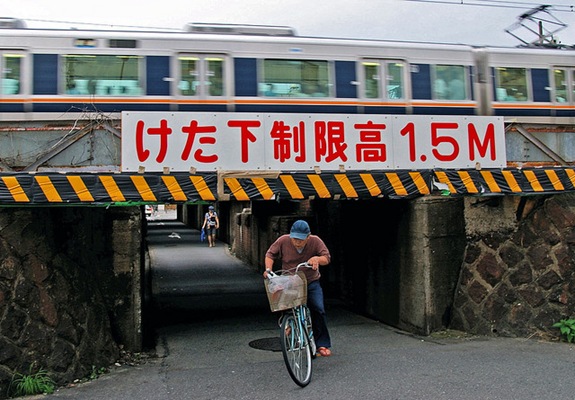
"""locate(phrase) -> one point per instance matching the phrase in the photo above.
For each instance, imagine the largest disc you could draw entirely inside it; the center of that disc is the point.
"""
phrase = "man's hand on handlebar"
(314, 263)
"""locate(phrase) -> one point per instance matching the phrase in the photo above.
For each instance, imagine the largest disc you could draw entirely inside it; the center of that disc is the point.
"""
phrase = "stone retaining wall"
(518, 275)
(65, 286)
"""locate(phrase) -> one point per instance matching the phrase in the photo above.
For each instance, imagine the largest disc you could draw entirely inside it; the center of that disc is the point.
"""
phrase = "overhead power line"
(498, 4)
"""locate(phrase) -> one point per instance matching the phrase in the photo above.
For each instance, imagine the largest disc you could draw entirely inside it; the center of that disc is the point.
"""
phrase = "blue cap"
(210, 207)
(299, 230)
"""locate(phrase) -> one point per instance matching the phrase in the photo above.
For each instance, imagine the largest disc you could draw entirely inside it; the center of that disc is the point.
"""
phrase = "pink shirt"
(284, 250)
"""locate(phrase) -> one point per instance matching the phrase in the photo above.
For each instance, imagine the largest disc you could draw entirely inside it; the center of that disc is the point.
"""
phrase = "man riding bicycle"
(297, 247)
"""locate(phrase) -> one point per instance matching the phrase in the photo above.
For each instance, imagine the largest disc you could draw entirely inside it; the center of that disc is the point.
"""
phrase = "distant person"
(269, 92)
(456, 89)
(440, 88)
(298, 247)
(72, 89)
(211, 223)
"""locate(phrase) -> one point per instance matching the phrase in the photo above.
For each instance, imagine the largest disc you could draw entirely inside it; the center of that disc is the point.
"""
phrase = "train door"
(204, 82)
(564, 85)
(12, 80)
(384, 85)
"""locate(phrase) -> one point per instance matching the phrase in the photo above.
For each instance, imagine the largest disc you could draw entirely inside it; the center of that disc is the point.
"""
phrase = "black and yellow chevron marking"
(393, 184)
(105, 188)
(508, 181)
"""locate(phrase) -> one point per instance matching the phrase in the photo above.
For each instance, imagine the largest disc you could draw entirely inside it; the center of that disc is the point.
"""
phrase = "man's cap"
(211, 207)
(299, 230)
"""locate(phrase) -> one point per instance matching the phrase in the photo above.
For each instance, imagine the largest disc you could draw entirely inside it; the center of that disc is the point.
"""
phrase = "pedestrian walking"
(211, 224)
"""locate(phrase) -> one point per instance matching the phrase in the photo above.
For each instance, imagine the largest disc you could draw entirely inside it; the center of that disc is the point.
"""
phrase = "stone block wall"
(66, 290)
(518, 274)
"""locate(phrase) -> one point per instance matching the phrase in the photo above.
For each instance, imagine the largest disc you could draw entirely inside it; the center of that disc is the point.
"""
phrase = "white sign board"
(181, 141)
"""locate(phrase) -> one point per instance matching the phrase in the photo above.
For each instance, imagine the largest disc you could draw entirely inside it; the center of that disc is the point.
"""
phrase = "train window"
(395, 86)
(201, 75)
(294, 78)
(11, 66)
(561, 88)
(372, 74)
(390, 73)
(102, 75)
(215, 76)
(511, 84)
(449, 82)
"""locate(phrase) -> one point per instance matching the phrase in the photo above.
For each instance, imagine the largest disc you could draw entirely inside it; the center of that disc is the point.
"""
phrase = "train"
(50, 73)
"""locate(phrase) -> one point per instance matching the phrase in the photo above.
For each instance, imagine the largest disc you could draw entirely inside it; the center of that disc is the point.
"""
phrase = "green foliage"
(567, 329)
(96, 372)
(32, 383)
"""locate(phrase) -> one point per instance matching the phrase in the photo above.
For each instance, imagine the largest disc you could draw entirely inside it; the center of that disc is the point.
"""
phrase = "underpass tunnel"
(379, 248)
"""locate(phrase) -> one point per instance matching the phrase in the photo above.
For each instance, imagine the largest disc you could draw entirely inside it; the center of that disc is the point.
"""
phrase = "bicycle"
(296, 335)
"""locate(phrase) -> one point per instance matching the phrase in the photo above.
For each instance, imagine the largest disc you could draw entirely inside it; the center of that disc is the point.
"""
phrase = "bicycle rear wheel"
(296, 350)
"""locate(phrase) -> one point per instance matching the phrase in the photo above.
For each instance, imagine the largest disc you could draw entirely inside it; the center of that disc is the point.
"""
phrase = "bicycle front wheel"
(296, 350)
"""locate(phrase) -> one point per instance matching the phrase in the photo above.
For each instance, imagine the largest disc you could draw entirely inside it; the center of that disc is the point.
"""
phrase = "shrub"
(567, 329)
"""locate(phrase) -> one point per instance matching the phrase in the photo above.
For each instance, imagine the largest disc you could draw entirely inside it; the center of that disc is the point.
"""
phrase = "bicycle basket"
(286, 291)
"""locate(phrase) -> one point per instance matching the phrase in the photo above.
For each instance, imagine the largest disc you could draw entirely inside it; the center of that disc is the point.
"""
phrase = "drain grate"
(269, 344)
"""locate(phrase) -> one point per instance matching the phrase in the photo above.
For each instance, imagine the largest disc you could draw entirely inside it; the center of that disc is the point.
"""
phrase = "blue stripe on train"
(11, 107)
(297, 108)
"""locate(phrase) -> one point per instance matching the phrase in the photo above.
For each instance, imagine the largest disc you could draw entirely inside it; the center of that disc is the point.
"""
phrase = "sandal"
(323, 352)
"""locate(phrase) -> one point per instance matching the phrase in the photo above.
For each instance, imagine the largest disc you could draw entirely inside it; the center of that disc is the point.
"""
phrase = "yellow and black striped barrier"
(105, 188)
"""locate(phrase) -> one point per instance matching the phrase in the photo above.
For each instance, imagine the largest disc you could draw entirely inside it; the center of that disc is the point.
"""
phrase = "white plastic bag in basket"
(277, 283)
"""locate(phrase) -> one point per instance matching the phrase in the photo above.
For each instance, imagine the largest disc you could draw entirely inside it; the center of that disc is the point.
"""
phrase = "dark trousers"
(318, 317)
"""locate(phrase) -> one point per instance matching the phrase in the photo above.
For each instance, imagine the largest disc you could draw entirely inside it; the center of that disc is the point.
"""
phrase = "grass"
(32, 383)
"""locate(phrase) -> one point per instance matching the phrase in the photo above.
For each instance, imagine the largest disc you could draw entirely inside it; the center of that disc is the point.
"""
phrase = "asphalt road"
(217, 339)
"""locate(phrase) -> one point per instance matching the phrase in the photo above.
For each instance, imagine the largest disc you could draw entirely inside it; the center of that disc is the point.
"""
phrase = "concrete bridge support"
(431, 254)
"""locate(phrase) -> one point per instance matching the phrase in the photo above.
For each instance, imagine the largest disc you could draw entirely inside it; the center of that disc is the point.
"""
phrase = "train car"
(233, 68)
(69, 75)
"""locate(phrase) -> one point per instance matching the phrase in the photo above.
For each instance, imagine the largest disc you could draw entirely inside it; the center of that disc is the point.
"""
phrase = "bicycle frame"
(297, 341)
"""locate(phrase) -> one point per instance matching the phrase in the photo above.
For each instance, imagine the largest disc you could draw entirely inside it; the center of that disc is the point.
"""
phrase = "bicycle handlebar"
(303, 264)
(272, 274)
